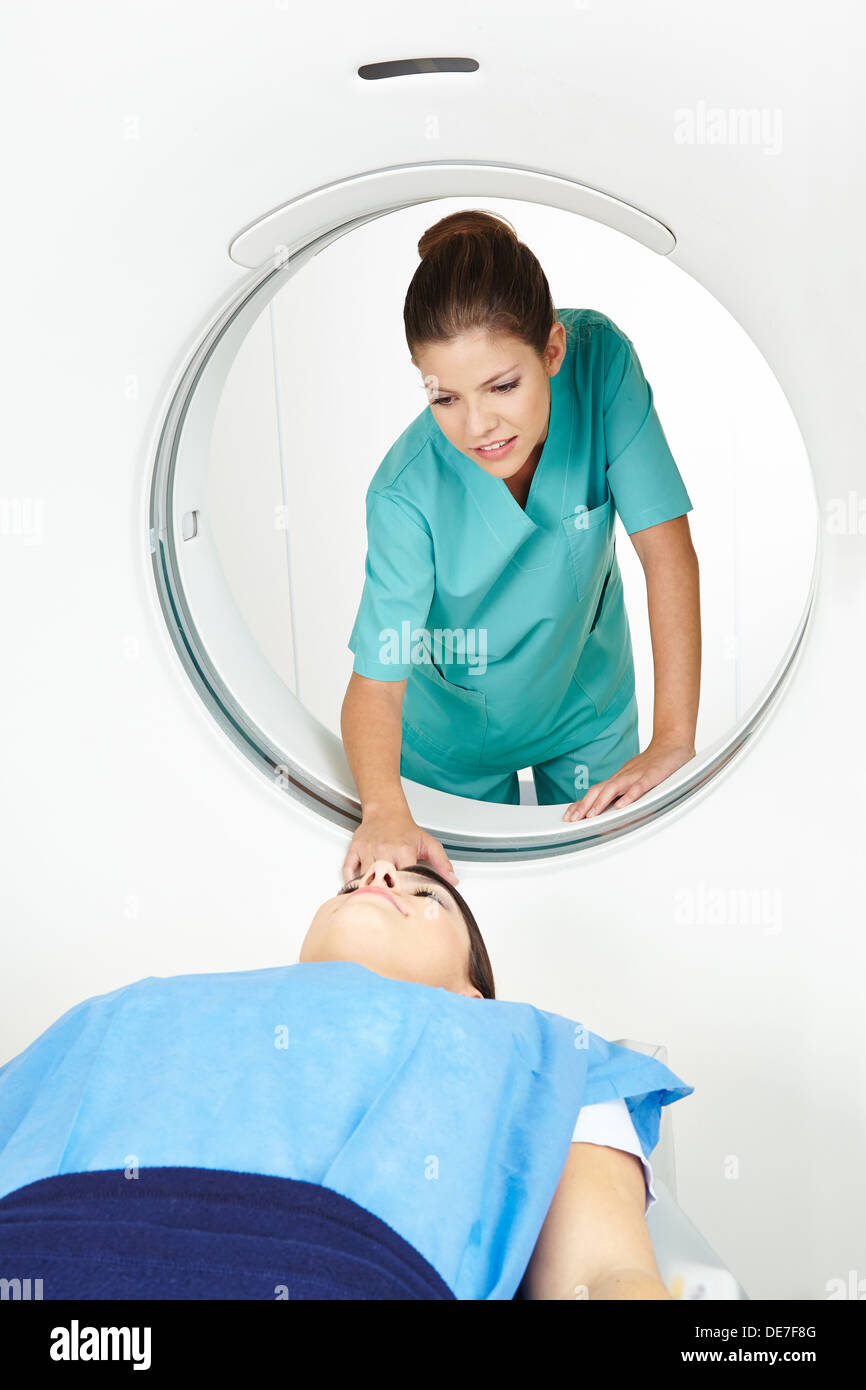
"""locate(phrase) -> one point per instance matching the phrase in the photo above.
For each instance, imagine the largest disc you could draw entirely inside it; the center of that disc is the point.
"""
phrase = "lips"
(505, 448)
(382, 893)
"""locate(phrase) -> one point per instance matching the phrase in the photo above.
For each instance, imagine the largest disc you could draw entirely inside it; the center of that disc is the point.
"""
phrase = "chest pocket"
(449, 719)
(590, 543)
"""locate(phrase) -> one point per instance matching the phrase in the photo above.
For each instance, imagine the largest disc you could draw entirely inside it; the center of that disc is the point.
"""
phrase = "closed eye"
(416, 892)
(427, 893)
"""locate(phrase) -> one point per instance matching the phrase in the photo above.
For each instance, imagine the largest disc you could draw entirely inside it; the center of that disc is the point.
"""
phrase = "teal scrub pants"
(559, 781)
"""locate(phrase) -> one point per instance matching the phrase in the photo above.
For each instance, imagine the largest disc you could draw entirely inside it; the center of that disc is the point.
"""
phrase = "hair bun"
(476, 275)
(470, 223)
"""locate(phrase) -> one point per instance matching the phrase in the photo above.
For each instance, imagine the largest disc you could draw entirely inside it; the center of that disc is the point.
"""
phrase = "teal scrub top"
(508, 622)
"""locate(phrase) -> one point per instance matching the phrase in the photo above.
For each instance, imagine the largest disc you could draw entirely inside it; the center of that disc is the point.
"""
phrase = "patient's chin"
(362, 920)
(354, 936)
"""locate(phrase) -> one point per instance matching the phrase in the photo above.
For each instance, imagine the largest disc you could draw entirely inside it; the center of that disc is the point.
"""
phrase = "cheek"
(452, 428)
(535, 408)
(445, 940)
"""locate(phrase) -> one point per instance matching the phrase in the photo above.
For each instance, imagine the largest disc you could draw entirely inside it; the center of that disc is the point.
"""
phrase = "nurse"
(491, 633)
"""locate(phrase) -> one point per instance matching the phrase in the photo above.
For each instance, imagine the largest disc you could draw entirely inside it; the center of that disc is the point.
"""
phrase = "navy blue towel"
(174, 1233)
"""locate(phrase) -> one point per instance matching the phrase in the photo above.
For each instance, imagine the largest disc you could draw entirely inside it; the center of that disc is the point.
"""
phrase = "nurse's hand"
(393, 835)
(634, 779)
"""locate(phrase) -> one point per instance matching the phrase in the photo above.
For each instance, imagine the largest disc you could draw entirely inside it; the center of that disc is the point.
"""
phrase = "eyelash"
(416, 892)
(504, 387)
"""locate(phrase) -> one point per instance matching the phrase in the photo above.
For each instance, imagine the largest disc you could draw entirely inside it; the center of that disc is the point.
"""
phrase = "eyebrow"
(444, 391)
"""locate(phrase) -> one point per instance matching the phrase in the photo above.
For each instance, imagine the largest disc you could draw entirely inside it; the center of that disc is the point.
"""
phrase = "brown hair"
(476, 274)
(480, 969)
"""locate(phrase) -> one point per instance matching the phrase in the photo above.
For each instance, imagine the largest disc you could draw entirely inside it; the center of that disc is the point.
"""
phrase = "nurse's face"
(397, 923)
(492, 390)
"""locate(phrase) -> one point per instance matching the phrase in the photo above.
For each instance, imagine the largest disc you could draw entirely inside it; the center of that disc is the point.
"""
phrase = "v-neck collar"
(511, 523)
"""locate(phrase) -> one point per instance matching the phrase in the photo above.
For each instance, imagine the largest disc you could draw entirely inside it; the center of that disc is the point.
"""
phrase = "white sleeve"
(608, 1122)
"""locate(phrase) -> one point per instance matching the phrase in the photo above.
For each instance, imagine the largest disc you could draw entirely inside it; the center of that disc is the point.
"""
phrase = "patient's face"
(397, 923)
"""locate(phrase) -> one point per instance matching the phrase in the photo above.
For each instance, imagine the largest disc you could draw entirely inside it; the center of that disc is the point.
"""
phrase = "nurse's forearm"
(372, 728)
(673, 599)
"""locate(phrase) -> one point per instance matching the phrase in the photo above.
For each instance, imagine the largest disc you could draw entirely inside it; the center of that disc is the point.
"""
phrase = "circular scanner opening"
(287, 406)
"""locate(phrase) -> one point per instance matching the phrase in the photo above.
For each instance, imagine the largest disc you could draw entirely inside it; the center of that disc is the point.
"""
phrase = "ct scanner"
(171, 168)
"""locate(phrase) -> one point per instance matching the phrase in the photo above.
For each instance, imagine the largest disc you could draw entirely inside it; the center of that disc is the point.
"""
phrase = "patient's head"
(413, 926)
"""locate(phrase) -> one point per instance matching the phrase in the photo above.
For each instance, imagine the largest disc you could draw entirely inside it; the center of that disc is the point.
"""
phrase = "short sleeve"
(641, 470)
(398, 589)
(608, 1122)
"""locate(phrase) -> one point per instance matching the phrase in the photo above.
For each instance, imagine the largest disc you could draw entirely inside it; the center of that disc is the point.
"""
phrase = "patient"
(367, 1123)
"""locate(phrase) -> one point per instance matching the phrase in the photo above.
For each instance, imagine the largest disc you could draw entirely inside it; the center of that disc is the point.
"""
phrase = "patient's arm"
(595, 1242)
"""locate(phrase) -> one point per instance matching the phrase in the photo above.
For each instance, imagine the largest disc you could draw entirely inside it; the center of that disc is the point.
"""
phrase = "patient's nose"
(382, 874)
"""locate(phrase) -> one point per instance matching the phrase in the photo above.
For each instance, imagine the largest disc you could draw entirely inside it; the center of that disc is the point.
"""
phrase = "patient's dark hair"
(480, 969)
(476, 274)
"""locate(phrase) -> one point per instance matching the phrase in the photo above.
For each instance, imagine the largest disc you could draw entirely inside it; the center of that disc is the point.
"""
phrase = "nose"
(480, 422)
(382, 874)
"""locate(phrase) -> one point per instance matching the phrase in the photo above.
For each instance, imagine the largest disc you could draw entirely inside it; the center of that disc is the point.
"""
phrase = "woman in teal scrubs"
(491, 633)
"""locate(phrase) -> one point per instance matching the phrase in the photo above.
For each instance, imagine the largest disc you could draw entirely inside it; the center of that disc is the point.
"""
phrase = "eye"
(427, 893)
(504, 387)
(416, 892)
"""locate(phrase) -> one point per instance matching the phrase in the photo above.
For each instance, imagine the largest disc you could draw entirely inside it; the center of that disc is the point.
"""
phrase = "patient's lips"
(385, 894)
